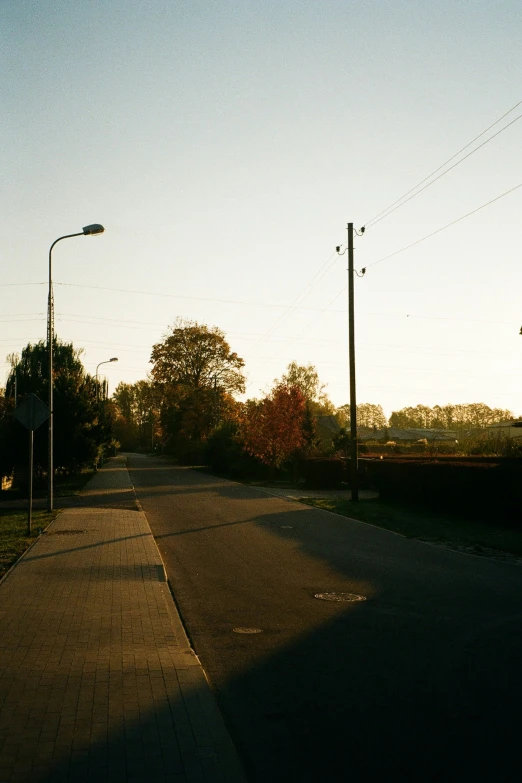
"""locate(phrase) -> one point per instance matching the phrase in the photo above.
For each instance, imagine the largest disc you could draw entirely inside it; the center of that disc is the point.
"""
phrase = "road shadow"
(68, 549)
(419, 682)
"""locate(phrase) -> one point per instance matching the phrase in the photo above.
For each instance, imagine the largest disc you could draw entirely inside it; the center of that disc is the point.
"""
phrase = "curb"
(230, 762)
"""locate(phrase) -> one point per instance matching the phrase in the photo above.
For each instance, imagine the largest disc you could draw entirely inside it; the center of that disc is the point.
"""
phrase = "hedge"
(483, 488)
(331, 473)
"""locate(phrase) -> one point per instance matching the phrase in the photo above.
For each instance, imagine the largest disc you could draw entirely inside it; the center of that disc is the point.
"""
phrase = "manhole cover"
(67, 532)
(247, 630)
(347, 597)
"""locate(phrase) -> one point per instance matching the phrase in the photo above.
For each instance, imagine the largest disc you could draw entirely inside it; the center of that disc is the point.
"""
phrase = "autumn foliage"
(274, 429)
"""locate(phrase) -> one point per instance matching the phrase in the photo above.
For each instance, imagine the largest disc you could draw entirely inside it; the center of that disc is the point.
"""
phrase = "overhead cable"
(295, 304)
(443, 228)
(415, 190)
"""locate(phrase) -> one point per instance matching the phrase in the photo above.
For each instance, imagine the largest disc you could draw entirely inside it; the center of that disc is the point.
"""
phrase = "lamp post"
(94, 228)
(108, 361)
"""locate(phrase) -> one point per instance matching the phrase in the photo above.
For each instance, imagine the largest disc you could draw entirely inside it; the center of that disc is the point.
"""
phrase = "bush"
(419, 447)
(324, 473)
(487, 488)
(330, 473)
(225, 455)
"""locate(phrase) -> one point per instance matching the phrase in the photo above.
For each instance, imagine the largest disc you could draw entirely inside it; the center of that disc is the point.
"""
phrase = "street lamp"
(114, 359)
(94, 228)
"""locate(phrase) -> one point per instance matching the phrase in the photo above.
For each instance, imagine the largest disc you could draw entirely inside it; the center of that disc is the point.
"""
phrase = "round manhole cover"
(247, 630)
(346, 597)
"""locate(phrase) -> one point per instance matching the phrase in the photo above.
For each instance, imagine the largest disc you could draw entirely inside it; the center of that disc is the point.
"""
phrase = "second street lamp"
(108, 361)
(93, 228)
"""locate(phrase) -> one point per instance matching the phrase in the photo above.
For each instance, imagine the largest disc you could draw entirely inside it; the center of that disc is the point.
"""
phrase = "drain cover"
(347, 597)
(247, 630)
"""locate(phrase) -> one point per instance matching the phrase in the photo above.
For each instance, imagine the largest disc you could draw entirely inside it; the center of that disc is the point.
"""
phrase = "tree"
(306, 378)
(274, 429)
(368, 415)
(196, 356)
(196, 373)
(461, 416)
(137, 407)
(79, 428)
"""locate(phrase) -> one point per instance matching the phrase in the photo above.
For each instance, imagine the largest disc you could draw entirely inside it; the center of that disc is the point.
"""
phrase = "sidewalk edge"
(229, 760)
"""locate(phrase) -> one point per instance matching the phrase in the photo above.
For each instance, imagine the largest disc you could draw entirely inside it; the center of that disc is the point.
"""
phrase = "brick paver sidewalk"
(97, 679)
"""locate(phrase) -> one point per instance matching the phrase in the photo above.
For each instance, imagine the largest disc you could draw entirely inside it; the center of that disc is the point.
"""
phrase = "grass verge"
(64, 486)
(13, 534)
(437, 527)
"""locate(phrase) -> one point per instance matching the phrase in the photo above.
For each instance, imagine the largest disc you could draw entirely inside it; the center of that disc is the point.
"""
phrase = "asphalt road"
(422, 681)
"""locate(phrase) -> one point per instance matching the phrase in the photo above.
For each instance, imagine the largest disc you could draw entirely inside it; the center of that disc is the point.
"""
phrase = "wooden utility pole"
(354, 483)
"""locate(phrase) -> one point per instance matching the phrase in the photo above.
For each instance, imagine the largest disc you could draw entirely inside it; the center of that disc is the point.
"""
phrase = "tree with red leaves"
(274, 429)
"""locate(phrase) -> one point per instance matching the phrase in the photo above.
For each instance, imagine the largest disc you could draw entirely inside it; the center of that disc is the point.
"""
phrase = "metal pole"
(30, 503)
(351, 349)
(50, 340)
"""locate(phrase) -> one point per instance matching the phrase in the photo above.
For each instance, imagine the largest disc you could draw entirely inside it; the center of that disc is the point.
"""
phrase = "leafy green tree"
(80, 429)
(306, 378)
(368, 415)
(462, 416)
(137, 411)
(195, 374)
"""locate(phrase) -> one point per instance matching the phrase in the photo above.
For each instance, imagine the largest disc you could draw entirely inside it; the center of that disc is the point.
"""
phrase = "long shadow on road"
(420, 681)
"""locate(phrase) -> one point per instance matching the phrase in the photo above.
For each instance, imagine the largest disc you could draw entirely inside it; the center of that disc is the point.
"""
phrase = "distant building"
(510, 429)
(327, 427)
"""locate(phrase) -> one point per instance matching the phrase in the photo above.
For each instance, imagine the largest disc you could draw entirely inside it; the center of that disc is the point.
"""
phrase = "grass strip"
(426, 525)
(64, 486)
(13, 534)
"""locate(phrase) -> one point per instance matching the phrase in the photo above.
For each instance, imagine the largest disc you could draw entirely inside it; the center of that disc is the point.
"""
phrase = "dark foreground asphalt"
(422, 681)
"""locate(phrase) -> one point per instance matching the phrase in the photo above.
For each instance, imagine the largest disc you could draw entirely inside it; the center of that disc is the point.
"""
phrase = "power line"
(295, 304)
(316, 318)
(173, 296)
(445, 172)
(391, 208)
(443, 228)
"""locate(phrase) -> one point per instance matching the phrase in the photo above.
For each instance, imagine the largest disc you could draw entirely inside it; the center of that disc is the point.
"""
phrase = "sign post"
(31, 413)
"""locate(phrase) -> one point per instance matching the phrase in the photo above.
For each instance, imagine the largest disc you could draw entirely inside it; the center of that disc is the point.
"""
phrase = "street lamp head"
(114, 359)
(94, 228)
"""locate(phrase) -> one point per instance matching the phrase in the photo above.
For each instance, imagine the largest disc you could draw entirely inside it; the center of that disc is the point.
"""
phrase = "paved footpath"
(97, 679)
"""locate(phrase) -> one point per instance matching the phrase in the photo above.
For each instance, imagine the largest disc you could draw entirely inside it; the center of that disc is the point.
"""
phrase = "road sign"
(32, 412)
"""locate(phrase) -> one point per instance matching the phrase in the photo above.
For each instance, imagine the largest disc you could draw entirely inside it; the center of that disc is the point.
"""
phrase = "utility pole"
(354, 457)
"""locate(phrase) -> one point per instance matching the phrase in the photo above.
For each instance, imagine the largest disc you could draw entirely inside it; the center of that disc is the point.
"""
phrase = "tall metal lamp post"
(94, 228)
(114, 359)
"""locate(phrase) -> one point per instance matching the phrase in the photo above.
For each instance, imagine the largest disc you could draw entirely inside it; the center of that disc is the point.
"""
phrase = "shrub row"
(330, 473)
(490, 489)
(442, 447)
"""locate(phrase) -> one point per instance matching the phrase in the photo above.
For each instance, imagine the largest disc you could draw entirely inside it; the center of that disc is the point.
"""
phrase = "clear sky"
(225, 146)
